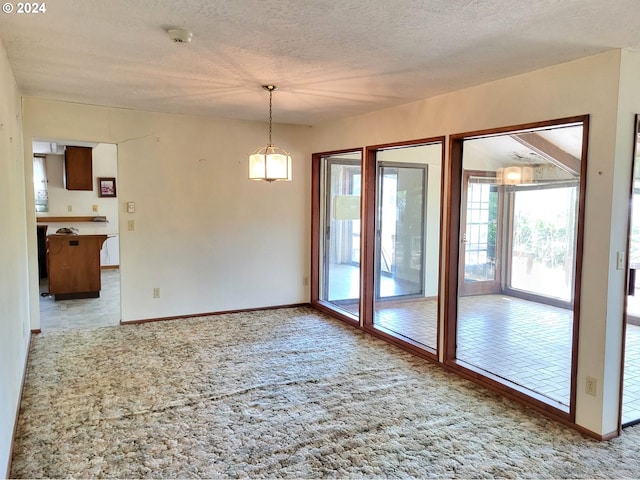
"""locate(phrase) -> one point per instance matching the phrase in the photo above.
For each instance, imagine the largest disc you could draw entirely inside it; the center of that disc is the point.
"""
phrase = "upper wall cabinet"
(78, 170)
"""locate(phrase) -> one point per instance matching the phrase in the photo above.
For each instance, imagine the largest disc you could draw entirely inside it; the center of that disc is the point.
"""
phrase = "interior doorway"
(69, 216)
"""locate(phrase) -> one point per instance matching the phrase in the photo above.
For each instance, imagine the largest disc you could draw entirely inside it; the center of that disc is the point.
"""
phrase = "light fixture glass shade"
(515, 175)
(512, 175)
(270, 163)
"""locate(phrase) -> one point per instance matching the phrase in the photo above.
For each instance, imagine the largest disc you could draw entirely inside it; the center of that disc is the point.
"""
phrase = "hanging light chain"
(270, 114)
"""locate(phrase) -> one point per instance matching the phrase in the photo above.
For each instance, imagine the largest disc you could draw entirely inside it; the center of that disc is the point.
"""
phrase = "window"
(40, 184)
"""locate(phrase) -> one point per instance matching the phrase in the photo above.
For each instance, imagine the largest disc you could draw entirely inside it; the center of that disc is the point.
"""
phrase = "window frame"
(453, 222)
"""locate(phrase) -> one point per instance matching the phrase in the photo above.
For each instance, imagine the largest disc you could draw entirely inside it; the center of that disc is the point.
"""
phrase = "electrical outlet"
(94, 208)
(156, 292)
(69, 208)
(591, 386)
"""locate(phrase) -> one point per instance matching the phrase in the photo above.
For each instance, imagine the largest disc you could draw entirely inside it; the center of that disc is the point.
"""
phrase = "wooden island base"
(73, 265)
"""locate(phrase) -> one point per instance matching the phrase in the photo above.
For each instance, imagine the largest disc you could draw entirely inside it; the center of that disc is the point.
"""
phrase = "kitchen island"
(73, 265)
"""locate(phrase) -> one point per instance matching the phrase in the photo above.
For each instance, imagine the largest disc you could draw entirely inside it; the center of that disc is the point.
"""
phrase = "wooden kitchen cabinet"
(73, 265)
(78, 168)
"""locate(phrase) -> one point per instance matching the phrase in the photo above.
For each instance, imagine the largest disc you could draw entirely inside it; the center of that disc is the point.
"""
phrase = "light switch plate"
(131, 207)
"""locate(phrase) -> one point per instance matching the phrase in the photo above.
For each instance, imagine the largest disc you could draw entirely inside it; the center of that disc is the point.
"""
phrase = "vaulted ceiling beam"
(549, 151)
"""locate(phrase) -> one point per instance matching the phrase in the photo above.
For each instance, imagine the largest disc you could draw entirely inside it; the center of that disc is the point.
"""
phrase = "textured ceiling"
(331, 59)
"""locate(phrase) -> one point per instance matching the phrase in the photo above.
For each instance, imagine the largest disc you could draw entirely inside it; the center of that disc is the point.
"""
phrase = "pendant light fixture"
(270, 163)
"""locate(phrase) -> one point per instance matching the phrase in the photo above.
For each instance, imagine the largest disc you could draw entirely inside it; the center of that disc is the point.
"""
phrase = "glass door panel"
(340, 227)
(479, 271)
(401, 231)
(517, 259)
(408, 243)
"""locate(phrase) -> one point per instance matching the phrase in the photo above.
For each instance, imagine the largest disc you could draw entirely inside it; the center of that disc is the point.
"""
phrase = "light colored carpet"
(284, 393)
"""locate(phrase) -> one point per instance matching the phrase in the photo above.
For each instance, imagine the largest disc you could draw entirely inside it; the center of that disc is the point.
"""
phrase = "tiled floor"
(631, 397)
(85, 312)
(415, 319)
(527, 343)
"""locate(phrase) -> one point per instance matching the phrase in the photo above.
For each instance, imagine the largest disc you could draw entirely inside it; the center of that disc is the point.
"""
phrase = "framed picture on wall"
(106, 187)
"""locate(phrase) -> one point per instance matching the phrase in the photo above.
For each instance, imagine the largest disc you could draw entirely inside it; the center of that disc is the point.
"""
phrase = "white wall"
(208, 237)
(14, 300)
(587, 86)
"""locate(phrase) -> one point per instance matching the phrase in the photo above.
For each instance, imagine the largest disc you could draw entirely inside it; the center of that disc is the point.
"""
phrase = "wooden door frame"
(369, 202)
(316, 250)
(452, 261)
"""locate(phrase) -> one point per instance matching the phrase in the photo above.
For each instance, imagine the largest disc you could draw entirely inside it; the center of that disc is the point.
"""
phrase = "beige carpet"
(285, 393)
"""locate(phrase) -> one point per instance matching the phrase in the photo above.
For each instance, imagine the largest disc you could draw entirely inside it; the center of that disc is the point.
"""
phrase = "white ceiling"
(331, 58)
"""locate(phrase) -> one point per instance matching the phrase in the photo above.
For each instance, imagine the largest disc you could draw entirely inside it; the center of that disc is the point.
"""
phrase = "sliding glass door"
(407, 243)
(341, 181)
(376, 239)
(400, 242)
